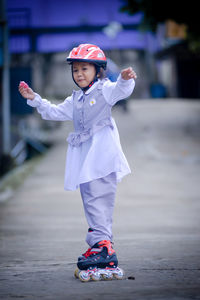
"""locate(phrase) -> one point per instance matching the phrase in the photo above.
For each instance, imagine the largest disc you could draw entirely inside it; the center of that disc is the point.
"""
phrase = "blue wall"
(72, 13)
(56, 26)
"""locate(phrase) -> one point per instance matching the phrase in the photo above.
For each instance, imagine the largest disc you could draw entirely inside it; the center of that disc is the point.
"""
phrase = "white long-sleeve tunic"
(102, 153)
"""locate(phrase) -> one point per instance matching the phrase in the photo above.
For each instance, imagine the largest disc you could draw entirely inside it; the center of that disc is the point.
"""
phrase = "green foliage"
(158, 11)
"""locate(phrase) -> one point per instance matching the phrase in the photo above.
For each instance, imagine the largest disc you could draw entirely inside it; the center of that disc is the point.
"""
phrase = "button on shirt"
(101, 154)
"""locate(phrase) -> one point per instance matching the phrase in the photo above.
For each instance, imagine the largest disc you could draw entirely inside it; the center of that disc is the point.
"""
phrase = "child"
(95, 161)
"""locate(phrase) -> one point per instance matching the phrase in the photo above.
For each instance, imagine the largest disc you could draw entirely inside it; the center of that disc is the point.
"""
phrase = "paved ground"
(156, 222)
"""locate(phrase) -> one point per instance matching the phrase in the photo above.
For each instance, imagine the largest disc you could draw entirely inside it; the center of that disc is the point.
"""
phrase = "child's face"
(83, 73)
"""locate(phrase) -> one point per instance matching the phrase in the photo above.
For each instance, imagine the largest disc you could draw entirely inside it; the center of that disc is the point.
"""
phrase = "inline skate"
(99, 263)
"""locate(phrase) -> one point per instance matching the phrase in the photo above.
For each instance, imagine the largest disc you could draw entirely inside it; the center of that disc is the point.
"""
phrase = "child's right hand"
(26, 91)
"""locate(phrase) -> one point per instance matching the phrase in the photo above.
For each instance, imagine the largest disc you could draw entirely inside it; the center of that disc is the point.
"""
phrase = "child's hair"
(101, 74)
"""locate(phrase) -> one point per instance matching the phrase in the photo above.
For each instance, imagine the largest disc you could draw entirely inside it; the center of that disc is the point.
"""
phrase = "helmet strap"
(91, 84)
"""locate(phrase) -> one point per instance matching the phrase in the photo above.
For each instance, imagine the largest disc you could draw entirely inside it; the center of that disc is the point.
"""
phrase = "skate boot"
(98, 263)
(88, 253)
(85, 255)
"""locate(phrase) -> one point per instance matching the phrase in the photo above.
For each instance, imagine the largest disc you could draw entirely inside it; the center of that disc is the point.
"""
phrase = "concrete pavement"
(156, 221)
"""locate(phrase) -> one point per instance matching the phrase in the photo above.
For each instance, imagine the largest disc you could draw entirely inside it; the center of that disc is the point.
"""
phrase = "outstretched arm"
(48, 111)
(122, 88)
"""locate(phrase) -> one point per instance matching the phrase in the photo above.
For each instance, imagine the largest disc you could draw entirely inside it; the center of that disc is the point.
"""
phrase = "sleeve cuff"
(35, 102)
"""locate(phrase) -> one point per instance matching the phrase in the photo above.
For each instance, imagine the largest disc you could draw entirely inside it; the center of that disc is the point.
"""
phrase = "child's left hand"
(128, 74)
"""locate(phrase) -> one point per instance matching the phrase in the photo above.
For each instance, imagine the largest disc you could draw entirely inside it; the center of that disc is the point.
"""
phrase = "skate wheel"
(84, 276)
(96, 276)
(119, 274)
(107, 276)
(76, 273)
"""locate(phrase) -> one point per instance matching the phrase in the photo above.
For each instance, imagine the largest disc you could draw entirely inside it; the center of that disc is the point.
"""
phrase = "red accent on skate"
(89, 252)
(111, 263)
(86, 253)
(108, 245)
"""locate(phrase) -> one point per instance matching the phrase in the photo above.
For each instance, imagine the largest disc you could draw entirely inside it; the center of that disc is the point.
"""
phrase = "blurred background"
(160, 40)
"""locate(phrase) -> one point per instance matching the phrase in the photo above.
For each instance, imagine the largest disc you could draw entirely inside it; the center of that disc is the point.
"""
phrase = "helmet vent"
(100, 55)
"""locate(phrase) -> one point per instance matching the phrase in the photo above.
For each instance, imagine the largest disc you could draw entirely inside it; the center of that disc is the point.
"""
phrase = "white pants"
(98, 201)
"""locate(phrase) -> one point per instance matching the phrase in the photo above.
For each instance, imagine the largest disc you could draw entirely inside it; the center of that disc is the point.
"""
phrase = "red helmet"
(88, 53)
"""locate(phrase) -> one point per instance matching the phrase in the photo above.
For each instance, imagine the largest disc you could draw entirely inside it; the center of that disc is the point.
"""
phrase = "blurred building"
(178, 67)
(41, 34)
